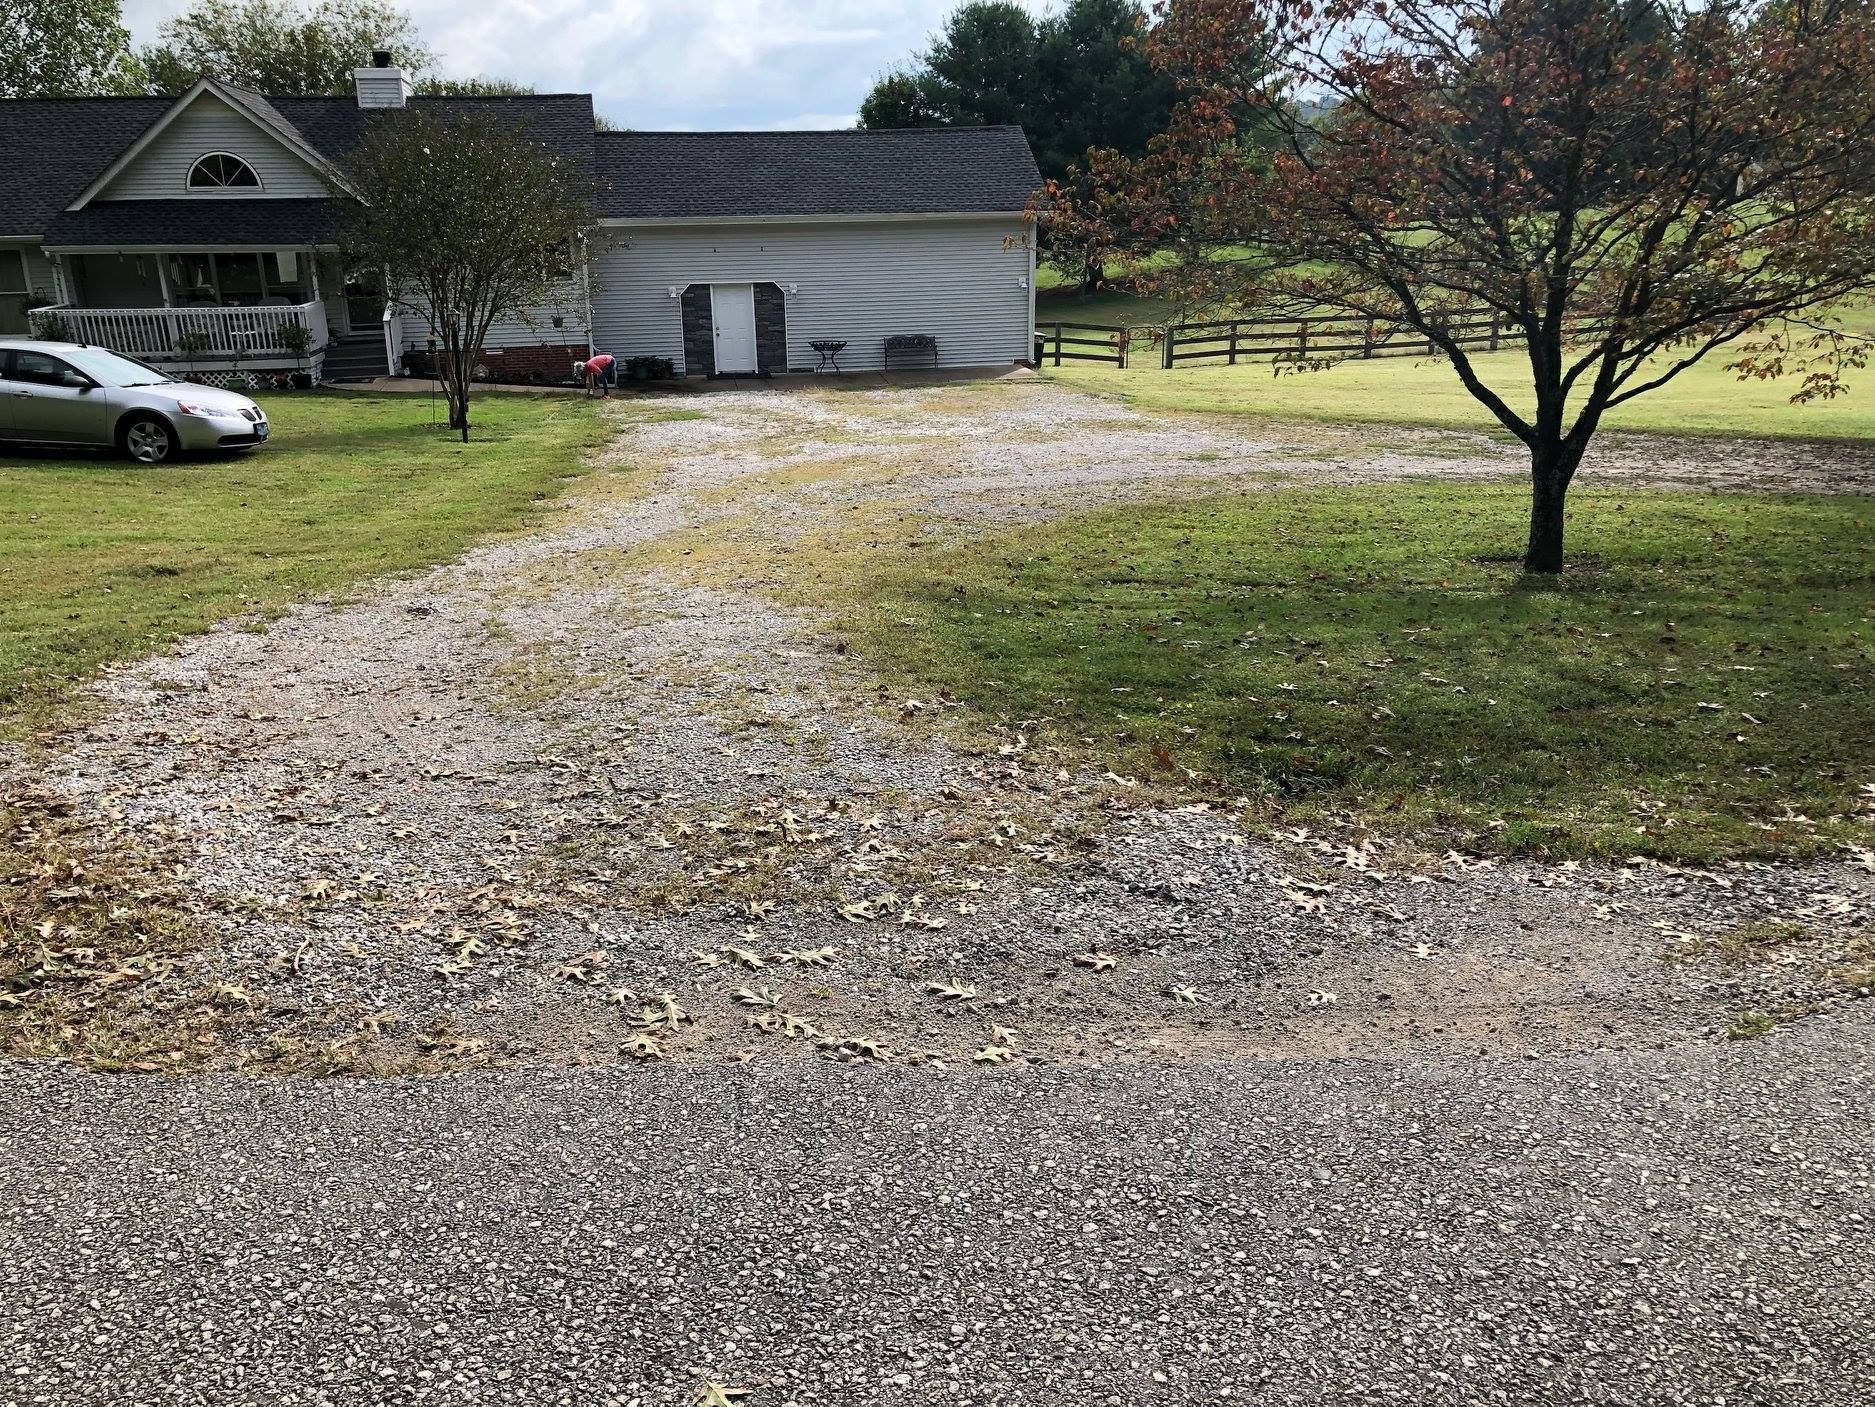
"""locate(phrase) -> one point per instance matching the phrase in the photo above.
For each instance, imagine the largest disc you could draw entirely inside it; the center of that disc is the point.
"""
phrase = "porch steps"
(354, 359)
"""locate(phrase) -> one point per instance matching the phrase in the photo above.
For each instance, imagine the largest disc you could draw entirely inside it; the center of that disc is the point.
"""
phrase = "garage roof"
(925, 170)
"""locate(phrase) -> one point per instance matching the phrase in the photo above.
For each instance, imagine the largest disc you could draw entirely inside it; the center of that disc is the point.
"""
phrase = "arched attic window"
(220, 171)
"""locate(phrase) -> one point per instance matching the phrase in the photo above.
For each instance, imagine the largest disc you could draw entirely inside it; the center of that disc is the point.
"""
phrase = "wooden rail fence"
(1248, 339)
(1059, 342)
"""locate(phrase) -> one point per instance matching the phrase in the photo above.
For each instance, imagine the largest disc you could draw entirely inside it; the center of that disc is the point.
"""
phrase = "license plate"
(260, 431)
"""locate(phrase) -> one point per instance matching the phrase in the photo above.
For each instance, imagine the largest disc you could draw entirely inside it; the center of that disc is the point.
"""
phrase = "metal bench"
(916, 345)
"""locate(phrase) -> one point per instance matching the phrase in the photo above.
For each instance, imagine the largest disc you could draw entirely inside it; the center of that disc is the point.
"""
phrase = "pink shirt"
(599, 363)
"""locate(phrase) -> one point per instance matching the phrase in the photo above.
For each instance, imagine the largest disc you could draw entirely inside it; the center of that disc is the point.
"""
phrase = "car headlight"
(192, 408)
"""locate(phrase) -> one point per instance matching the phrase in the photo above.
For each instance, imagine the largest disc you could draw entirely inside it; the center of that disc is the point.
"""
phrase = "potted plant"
(190, 345)
(296, 337)
(49, 325)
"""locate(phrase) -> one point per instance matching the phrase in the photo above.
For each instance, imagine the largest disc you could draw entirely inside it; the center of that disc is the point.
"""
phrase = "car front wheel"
(147, 439)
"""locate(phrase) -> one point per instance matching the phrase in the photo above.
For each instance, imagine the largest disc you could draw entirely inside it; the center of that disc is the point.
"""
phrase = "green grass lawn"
(1708, 664)
(1113, 306)
(1707, 400)
(1409, 390)
(101, 560)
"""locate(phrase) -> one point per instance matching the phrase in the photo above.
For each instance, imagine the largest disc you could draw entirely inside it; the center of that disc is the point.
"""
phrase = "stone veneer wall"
(771, 327)
(699, 331)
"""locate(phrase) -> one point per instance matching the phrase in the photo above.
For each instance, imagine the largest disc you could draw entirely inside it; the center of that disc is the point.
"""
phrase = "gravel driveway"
(930, 1070)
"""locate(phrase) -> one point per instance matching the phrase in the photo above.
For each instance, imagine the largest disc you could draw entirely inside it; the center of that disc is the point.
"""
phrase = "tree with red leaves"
(1630, 186)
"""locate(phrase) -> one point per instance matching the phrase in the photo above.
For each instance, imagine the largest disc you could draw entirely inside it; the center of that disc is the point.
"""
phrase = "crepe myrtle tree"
(472, 222)
(1630, 186)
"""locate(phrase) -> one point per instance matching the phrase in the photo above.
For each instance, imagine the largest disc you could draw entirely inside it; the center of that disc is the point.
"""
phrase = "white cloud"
(688, 64)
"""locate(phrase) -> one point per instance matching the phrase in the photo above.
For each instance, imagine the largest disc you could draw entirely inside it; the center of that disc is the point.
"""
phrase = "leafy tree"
(276, 47)
(66, 49)
(1629, 187)
(986, 64)
(479, 87)
(468, 217)
(901, 100)
(1072, 80)
(1100, 88)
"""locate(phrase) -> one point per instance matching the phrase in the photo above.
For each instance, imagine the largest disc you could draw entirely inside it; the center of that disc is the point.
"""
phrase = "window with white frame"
(220, 170)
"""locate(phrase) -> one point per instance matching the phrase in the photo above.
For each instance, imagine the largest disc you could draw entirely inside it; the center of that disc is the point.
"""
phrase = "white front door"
(732, 308)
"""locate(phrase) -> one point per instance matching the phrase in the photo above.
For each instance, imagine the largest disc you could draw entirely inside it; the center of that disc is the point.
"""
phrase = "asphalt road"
(1680, 1226)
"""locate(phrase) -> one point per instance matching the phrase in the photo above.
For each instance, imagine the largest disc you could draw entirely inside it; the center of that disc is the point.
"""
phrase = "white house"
(194, 229)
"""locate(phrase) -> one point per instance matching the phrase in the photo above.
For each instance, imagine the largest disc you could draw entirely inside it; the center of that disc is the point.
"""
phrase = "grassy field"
(1701, 684)
(101, 560)
(1707, 400)
(1109, 306)
(1407, 390)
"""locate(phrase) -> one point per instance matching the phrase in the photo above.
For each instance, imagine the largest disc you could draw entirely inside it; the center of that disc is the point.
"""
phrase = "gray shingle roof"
(55, 147)
(653, 175)
(560, 122)
(248, 223)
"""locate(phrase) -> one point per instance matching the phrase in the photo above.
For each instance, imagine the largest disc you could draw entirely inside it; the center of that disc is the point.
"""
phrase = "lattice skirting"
(249, 380)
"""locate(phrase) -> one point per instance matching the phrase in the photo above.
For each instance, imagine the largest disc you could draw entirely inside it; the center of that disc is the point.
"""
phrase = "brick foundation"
(551, 364)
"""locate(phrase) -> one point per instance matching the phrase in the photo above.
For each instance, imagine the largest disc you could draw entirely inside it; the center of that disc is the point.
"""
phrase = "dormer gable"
(216, 142)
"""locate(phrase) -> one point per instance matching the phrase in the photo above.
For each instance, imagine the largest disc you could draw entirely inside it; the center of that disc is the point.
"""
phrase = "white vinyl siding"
(534, 329)
(962, 281)
(161, 170)
(40, 277)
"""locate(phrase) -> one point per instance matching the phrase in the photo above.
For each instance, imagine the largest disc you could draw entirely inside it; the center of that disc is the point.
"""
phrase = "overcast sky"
(694, 64)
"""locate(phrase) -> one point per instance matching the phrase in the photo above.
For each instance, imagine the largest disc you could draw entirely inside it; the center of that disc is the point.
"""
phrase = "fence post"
(1233, 341)
(1367, 339)
(1302, 338)
(1057, 344)
(1165, 351)
(1494, 332)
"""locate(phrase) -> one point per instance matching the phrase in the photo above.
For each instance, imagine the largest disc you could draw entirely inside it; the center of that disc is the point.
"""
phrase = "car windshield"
(112, 369)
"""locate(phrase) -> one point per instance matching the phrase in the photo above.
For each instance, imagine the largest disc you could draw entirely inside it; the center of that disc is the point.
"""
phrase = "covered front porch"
(219, 314)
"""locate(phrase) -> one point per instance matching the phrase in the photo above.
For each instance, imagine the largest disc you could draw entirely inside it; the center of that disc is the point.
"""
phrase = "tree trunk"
(1551, 469)
(457, 383)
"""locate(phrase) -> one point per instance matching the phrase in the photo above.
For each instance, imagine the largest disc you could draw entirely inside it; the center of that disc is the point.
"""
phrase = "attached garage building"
(201, 233)
(733, 252)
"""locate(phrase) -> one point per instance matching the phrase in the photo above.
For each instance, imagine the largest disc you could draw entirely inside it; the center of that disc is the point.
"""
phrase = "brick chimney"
(384, 84)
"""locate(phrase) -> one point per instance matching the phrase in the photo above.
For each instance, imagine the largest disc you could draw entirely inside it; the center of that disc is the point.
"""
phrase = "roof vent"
(384, 84)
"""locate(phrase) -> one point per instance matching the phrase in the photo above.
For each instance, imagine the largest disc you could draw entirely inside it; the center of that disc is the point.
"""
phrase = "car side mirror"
(76, 380)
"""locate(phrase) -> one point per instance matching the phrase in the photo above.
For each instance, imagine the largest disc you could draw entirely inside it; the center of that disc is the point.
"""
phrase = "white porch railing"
(248, 335)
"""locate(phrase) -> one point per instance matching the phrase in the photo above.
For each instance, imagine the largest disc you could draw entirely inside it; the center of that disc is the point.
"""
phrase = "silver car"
(65, 393)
